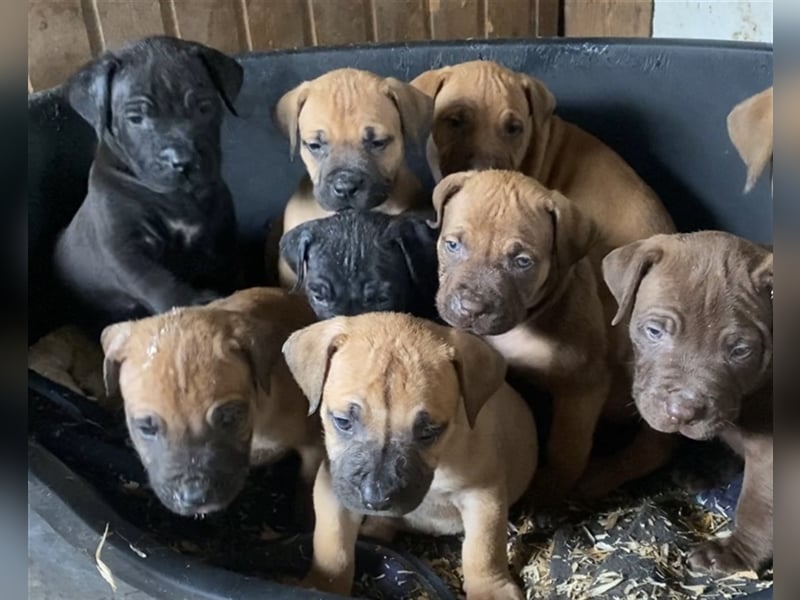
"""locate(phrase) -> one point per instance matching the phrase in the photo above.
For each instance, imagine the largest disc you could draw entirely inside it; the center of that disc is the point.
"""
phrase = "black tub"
(661, 104)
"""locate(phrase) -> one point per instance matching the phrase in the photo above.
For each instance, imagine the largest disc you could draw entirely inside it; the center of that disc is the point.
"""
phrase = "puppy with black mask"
(157, 228)
(356, 262)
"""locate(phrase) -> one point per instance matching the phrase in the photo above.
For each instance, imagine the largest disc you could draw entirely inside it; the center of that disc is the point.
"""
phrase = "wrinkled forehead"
(165, 79)
(344, 111)
(481, 89)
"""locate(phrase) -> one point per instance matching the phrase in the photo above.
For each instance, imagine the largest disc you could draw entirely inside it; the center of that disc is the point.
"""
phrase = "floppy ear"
(444, 190)
(114, 340)
(623, 271)
(260, 342)
(541, 101)
(431, 82)
(481, 370)
(308, 353)
(417, 242)
(89, 91)
(415, 108)
(287, 113)
(294, 247)
(750, 130)
(574, 233)
(225, 73)
(762, 274)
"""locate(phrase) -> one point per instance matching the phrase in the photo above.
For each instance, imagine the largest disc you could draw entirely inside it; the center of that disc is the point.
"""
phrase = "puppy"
(750, 130)
(700, 310)
(351, 127)
(355, 262)
(157, 228)
(207, 394)
(488, 117)
(421, 433)
(513, 268)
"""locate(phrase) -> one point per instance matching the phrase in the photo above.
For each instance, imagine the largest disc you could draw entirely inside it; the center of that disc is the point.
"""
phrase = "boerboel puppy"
(488, 117)
(355, 262)
(157, 228)
(351, 127)
(750, 130)
(207, 394)
(700, 310)
(422, 433)
(513, 269)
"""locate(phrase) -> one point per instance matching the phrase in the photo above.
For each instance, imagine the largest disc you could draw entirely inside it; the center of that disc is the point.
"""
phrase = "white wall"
(714, 19)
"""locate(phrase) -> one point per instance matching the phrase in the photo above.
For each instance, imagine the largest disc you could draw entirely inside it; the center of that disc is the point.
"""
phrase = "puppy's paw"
(494, 589)
(719, 557)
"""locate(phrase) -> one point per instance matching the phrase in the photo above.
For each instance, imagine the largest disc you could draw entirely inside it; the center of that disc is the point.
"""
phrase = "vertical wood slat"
(124, 20)
(401, 20)
(339, 22)
(216, 23)
(547, 15)
(623, 18)
(456, 19)
(277, 23)
(509, 19)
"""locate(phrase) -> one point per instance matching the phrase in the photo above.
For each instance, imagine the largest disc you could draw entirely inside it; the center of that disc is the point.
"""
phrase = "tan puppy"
(207, 393)
(750, 130)
(513, 268)
(422, 433)
(351, 126)
(488, 117)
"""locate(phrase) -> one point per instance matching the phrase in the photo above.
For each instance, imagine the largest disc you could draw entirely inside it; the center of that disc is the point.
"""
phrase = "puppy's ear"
(623, 271)
(225, 73)
(431, 83)
(574, 233)
(294, 247)
(762, 273)
(541, 101)
(89, 91)
(446, 189)
(260, 342)
(308, 353)
(287, 113)
(417, 242)
(114, 340)
(750, 130)
(481, 370)
(415, 108)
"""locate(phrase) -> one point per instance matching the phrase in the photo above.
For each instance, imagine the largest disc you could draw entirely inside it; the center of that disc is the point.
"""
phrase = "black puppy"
(157, 228)
(356, 262)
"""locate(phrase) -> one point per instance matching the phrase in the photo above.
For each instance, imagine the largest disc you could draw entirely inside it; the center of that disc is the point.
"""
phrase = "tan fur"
(562, 339)
(486, 97)
(182, 363)
(393, 365)
(750, 130)
(342, 103)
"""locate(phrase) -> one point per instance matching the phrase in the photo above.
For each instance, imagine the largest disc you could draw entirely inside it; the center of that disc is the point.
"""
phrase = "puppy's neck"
(543, 157)
(406, 193)
(553, 290)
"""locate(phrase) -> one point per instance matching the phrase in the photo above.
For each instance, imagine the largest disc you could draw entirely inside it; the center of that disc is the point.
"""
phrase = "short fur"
(355, 262)
(207, 394)
(157, 228)
(750, 130)
(513, 268)
(700, 310)
(421, 433)
(350, 127)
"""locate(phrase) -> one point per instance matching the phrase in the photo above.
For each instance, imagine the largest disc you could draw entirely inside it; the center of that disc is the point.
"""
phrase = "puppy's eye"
(314, 146)
(514, 128)
(654, 331)
(229, 415)
(452, 246)
(342, 423)
(430, 433)
(321, 294)
(523, 262)
(741, 351)
(147, 427)
(205, 107)
(454, 121)
(378, 144)
(135, 119)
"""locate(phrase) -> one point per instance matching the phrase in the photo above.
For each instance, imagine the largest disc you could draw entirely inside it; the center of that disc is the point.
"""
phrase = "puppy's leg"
(648, 451)
(575, 414)
(380, 528)
(310, 460)
(484, 513)
(335, 533)
(750, 544)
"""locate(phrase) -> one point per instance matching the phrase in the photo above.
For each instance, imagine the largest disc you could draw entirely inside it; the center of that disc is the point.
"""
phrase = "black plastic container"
(661, 104)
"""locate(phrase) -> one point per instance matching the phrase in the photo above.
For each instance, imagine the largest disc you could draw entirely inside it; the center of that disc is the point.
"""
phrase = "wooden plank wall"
(63, 34)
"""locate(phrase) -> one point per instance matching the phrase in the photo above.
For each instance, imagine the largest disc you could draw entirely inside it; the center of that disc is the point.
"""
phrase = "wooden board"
(124, 20)
(217, 23)
(278, 23)
(547, 18)
(456, 19)
(401, 20)
(338, 22)
(622, 18)
(508, 19)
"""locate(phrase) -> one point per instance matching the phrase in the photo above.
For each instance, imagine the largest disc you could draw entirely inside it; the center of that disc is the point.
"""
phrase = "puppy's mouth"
(201, 495)
(480, 323)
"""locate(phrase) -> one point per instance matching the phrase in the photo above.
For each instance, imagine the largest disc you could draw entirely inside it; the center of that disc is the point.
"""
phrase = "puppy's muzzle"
(345, 185)
(178, 159)
(686, 407)
(192, 493)
(467, 309)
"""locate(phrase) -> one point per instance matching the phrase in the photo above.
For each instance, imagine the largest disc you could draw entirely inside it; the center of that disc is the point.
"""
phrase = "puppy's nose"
(346, 184)
(192, 493)
(685, 407)
(468, 305)
(374, 496)
(178, 159)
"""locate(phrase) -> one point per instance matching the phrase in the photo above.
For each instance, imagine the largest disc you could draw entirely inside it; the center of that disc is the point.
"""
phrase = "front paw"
(719, 557)
(504, 589)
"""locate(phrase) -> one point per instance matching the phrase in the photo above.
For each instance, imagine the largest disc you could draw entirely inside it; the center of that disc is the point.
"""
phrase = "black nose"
(467, 304)
(374, 496)
(179, 159)
(346, 184)
(193, 493)
(685, 407)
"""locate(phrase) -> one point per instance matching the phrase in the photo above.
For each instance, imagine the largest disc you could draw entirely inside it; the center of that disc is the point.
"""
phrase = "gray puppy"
(157, 228)
(357, 262)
